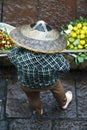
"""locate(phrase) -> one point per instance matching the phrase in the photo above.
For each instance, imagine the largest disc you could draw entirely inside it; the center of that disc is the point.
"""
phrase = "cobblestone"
(3, 125)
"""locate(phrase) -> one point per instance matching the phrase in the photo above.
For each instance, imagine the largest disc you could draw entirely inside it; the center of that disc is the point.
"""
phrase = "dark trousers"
(34, 95)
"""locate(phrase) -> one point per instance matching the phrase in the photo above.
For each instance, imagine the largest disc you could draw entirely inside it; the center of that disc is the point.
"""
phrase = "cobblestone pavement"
(15, 113)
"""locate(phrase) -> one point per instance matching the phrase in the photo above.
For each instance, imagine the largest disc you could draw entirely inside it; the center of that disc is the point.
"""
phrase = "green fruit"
(71, 39)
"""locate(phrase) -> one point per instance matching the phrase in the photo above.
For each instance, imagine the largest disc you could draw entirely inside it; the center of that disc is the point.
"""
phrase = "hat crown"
(41, 26)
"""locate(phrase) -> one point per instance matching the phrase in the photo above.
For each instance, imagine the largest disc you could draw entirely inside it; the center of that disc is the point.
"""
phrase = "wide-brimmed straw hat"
(38, 37)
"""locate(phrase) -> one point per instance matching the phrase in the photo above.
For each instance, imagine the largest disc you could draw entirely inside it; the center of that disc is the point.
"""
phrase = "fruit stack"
(76, 35)
(5, 41)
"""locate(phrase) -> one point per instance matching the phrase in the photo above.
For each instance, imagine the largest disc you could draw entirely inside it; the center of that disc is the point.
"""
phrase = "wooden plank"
(74, 51)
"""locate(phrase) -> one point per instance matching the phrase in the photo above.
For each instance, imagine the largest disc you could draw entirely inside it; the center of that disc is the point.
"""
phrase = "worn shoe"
(69, 99)
(40, 112)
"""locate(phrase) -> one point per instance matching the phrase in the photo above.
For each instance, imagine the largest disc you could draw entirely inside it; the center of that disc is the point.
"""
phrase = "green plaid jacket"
(37, 70)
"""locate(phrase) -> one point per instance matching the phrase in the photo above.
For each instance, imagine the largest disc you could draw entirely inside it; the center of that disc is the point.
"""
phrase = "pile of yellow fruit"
(76, 34)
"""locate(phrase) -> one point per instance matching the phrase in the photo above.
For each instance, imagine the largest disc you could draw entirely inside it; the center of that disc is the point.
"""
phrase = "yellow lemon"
(84, 28)
(82, 36)
(75, 28)
(83, 31)
(78, 36)
(78, 31)
(79, 25)
(82, 42)
(68, 43)
(80, 46)
(73, 34)
(71, 46)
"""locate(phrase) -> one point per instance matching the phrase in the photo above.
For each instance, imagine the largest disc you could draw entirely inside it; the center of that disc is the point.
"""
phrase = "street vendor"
(39, 62)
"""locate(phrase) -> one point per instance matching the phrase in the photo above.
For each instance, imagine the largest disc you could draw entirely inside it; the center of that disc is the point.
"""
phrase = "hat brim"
(35, 45)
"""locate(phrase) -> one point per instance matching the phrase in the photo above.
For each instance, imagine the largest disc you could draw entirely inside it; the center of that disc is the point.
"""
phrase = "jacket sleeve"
(63, 64)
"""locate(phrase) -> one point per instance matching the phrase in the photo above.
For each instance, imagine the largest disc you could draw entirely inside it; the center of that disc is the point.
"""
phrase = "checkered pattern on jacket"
(37, 70)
